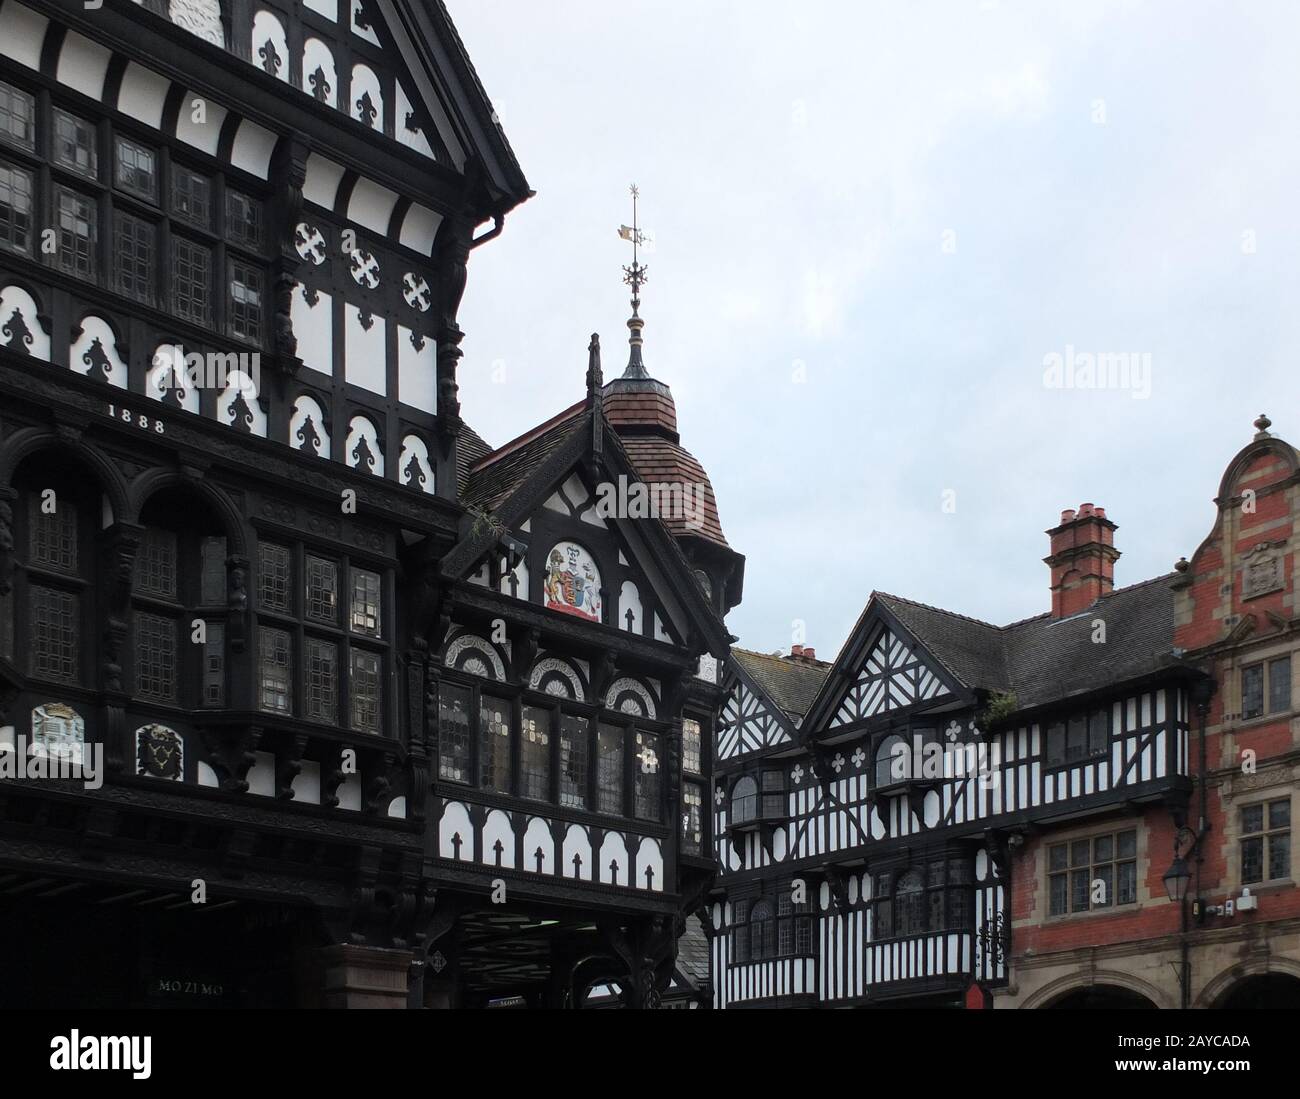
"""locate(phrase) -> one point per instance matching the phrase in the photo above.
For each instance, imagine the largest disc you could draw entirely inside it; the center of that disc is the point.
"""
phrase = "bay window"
(322, 653)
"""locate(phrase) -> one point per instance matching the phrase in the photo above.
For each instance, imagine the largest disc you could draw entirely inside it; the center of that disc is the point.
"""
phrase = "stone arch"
(1220, 986)
(1075, 982)
(153, 481)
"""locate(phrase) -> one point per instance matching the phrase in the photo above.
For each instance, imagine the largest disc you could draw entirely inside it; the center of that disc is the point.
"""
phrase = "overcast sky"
(874, 224)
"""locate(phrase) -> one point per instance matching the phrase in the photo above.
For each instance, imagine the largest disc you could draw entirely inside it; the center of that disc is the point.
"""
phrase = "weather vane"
(634, 276)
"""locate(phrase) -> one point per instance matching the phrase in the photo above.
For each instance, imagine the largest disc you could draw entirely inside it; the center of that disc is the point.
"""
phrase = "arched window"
(744, 801)
(762, 930)
(893, 764)
(179, 604)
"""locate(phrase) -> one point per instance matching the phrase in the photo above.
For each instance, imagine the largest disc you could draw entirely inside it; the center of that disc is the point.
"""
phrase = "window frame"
(1067, 872)
(596, 718)
(1270, 704)
(302, 628)
(1265, 836)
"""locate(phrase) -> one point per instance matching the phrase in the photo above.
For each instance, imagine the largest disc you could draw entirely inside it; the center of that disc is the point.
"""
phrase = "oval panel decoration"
(572, 582)
(310, 243)
(415, 291)
(365, 269)
(160, 752)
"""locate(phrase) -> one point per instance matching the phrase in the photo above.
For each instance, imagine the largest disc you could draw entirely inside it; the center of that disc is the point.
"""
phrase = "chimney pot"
(810, 653)
(796, 651)
(1067, 516)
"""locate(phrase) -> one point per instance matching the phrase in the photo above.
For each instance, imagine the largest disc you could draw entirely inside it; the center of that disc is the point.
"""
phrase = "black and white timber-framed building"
(418, 723)
(870, 813)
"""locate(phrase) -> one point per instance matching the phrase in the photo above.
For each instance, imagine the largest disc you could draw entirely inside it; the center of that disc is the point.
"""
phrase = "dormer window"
(1083, 736)
(758, 798)
(744, 801)
(906, 757)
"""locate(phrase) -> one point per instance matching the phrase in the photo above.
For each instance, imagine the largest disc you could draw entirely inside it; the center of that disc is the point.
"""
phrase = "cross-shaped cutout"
(365, 269)
(416, 291)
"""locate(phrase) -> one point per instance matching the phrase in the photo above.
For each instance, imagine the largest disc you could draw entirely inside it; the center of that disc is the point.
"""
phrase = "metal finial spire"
(635, 277)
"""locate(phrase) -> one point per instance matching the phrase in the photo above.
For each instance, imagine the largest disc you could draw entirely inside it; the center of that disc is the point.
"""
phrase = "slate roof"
(472, 447)
(494, 477)
(1042, 659)
(791, 684)
(693, 952)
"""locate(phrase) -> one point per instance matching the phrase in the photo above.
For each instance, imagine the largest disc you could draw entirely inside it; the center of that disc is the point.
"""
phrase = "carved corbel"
(237, 603)
(523, 653)
(288, 765)
(230, 755)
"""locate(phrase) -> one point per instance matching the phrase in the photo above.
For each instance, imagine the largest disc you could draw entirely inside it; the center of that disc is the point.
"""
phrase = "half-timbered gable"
(288, 236)
(575, 729)
(934, 745)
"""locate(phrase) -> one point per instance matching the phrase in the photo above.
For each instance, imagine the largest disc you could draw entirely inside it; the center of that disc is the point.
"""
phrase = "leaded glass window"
(609, 770)
(53, 533)
(191, 280)
(155, 563)
(364, 691)
(137, 169)
(322, 589)
(1092, 873)
(692, 818)
(245, 302)
(1279, 685)
(15, 209)
(275, 669)
(155, 657)
(453, 733)
(1266, 841)
(322, 666)
(17, 117)
(494, 744)
(75, 144)
(274, 570)
(535, 753)
(55, 620)
(191, 196)
(134, 252)
(78, 224)
(243, 219)
(691, 745)
(646, 777)
(365, 602)
(573, 761)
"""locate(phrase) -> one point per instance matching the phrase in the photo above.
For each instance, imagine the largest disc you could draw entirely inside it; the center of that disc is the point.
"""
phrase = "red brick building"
(1091, 807)
(1236, 617)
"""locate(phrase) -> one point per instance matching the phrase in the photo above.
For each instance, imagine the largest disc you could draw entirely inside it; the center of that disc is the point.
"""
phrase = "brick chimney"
(1082, 559)
(802, 654)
